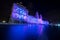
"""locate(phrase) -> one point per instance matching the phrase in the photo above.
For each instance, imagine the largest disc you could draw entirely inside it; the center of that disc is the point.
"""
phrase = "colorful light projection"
(18, 32)
(20, 13)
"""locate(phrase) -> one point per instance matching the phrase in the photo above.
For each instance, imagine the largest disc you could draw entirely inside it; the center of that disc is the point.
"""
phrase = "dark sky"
(50, 9)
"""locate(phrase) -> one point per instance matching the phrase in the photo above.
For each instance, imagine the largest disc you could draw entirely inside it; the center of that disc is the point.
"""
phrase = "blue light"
(21, 12)
(20, 31)
(16, 32)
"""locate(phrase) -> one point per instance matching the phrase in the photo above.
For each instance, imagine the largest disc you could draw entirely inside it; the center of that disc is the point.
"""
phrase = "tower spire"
(37, 15)
(40, 16)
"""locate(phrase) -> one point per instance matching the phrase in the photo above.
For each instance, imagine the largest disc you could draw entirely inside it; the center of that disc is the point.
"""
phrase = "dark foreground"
(28, 32)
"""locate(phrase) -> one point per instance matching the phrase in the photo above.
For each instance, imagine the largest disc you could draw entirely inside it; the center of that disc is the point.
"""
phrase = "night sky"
(50, 9)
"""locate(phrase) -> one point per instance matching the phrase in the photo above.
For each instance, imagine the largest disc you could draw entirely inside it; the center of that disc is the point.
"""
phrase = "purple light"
(15, 15)
(40, 29)
(40, 16)
(37, 15)
(40, 21)
(25, 17)
(18, 8)
(21, 14)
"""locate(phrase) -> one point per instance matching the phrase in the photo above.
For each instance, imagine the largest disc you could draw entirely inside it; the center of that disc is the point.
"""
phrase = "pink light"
(40, 29)
(40, 21)
(25, 17)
